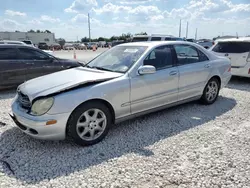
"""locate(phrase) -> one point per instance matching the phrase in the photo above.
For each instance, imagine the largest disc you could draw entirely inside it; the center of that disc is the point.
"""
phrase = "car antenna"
(237, 36)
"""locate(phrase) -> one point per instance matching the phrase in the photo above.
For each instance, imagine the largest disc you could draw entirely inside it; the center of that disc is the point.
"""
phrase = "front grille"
(23, 100)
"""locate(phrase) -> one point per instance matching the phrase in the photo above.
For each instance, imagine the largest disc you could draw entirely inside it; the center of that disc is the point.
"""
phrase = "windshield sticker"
(131, 50)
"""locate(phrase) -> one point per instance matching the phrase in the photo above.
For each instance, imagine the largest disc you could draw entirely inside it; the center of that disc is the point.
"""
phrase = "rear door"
(237, 52)
(12, 70)
(38, 63)
(194, 69)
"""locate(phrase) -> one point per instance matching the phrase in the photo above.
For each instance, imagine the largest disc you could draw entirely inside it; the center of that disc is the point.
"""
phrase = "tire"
(82, 125)
(210, 92)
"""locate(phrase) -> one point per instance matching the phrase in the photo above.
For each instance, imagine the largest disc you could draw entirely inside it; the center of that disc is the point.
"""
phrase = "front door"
(194, 69)
(158, 89)
(38, 63)
(12, 70)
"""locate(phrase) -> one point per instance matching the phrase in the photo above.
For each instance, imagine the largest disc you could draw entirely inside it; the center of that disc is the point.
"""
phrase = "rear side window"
(186, 54)
(30, 54)
(232, 47)
(202, 56)
(8, 53)
(156, 39)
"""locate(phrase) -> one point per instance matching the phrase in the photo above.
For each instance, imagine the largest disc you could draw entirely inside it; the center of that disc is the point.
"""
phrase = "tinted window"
(160, 58)
(139, 39)
(27, 42)
(168, 38)
(7, 53)
(26, 53)
(156, 39)
(232, 47)
(186, 54)
(202, 56)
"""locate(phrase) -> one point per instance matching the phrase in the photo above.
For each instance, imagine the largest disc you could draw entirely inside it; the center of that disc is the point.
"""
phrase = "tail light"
(248, 71)
(229, 69)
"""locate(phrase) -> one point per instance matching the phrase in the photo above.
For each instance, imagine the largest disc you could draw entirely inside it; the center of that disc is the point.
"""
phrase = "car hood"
(64, 80)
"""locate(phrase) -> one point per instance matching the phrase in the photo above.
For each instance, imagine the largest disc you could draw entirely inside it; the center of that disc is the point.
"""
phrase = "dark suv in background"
(43, 46)
(19, 63)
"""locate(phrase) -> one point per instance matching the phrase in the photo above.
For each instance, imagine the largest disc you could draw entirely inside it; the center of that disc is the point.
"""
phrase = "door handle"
(172, 73)
(226, 55)
(207, 66)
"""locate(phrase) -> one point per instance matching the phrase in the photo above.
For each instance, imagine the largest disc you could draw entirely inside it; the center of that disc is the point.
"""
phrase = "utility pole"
(187, 31)
(180, 29)
(89, 28)
(196, 34)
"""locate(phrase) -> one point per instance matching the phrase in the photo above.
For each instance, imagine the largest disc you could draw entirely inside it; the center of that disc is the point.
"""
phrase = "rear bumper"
(225, 80)
(241, 71)
(36, 127)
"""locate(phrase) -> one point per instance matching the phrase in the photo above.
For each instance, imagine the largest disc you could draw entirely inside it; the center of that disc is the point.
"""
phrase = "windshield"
(27, 42)
(118, 58)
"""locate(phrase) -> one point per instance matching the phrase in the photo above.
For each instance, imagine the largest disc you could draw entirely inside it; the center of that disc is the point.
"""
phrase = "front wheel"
(211, 91)
(89, 123)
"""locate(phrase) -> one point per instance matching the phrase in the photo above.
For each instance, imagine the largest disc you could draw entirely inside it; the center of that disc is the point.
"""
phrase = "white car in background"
(11, 42)
(29, 43)
(238, 51)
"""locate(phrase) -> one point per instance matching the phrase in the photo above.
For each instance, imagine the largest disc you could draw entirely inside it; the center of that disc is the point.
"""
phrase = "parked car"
(124, 82)
(20, 63)
(43, 46)
(29, 43)
(238, 51)
(11, 42)
(117, 42)
(90, 45)
(140, 38)
(191, 40)
(156, 37)
(205, 43)
(81, 47)
(68, 47)
(55, 47)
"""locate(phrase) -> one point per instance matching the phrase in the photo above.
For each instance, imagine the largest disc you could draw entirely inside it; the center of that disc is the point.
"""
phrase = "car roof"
(241, 39)
(154, 43)
(12, 41)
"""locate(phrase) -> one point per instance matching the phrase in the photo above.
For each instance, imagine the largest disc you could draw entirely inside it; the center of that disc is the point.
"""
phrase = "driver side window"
(30, 54)
(160, 58)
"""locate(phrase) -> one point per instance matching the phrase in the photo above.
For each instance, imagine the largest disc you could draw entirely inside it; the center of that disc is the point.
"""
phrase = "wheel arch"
(216, 77)
(105, 102)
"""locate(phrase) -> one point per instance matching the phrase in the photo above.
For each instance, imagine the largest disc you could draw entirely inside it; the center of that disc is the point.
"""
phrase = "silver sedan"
(124, 82)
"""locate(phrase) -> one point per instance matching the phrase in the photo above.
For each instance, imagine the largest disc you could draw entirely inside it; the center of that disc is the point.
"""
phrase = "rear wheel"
(211, 91)
(89, 123)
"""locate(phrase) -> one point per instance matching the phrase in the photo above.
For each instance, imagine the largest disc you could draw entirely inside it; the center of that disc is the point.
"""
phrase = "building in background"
(49, 38)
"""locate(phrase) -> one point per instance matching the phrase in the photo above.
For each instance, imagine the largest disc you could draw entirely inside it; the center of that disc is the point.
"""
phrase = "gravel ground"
(185, 146)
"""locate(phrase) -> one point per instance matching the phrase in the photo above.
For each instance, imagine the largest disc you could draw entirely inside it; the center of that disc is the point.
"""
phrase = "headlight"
(42, 106)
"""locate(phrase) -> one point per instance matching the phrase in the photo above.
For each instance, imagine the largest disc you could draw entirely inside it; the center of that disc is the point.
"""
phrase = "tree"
(101, 39)
(38, 31)
(85, 39)
(141, 33)
(31, 31)
(17, 31)
(47, 31)
(114, 38)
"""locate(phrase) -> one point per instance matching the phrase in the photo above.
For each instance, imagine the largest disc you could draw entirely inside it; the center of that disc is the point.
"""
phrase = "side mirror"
(146, 69)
